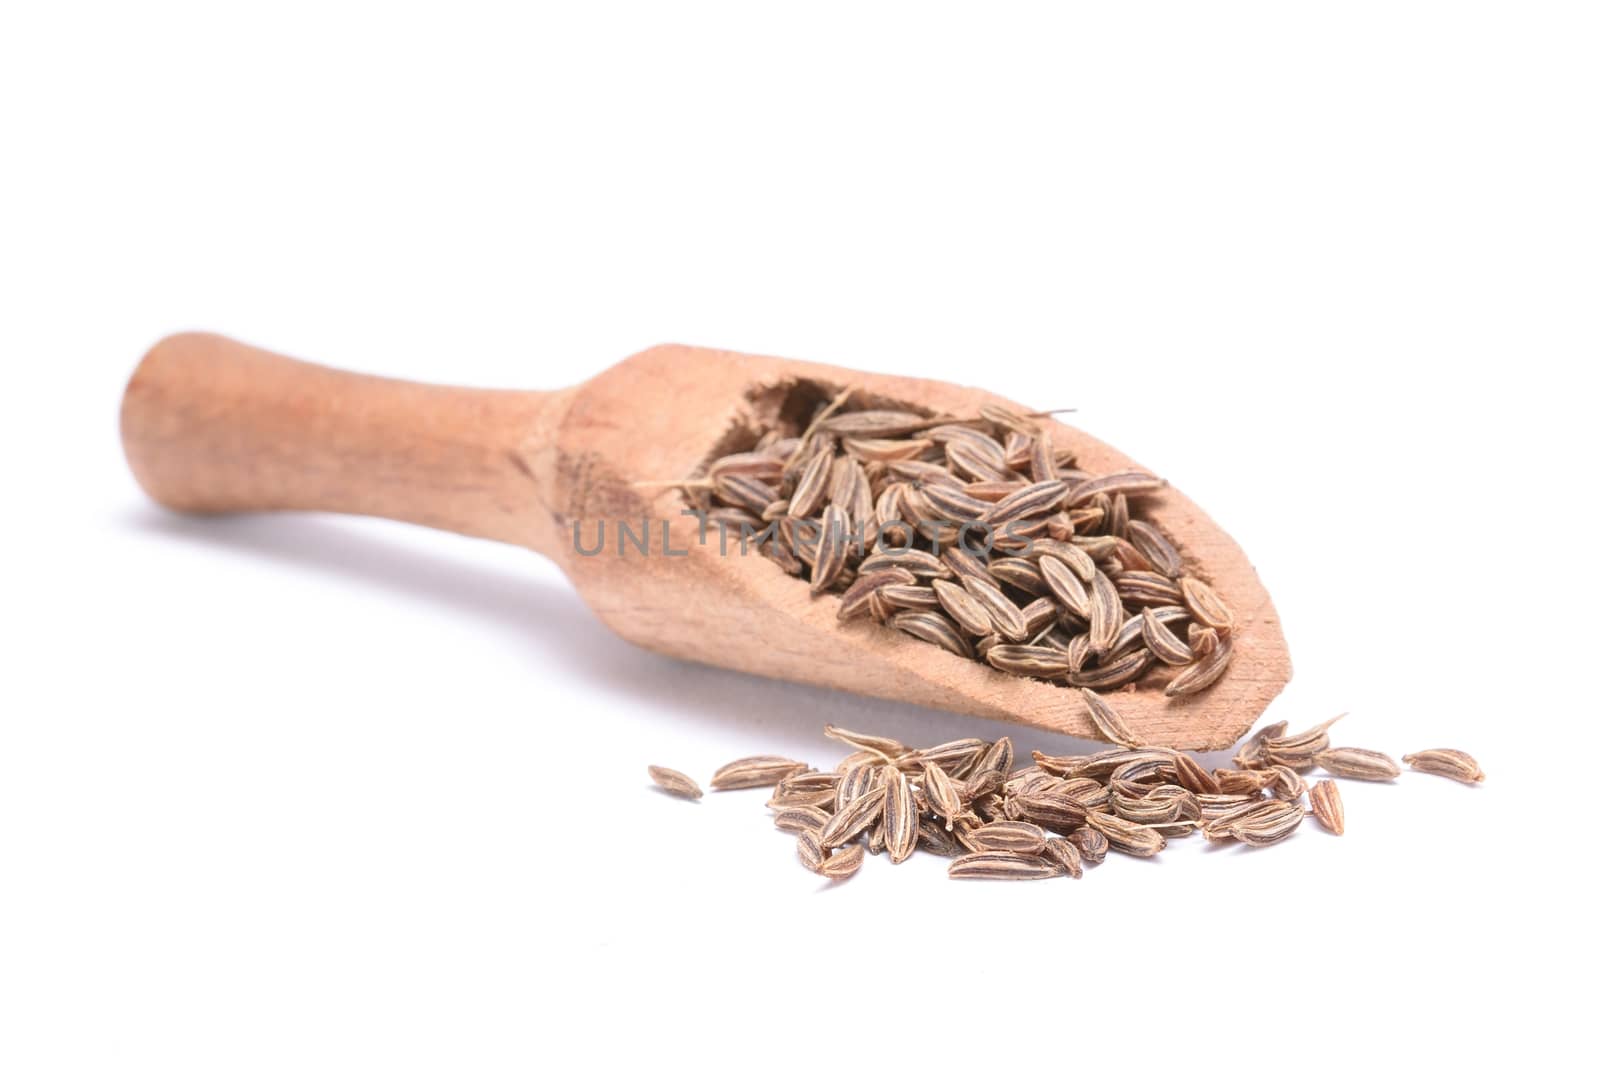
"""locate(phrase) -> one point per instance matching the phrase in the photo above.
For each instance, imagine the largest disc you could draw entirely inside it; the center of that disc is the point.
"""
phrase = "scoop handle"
(213, 425)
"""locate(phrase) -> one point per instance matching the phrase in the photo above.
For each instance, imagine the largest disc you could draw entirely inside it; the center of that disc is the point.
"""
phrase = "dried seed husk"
(943, 799)
(852, 819)
(1287, 784)
(1269, 827)
(1105, 613)
(980, 784)
(1064, 854)
(899, 818)
(1007, 836)
(1020, 574)
(909, 598)
(1206, 605)
(675, 782)
(842, 864)
(933, 628)
(860, 778)
(875, 838)
(1117, 673)
(803, 798)
(1127, 482)
(920, 563)
(831, 549)
(1190, 775)
(997, 757)
(812, 486)
(856, 601)
(1052, 811)
(1029, 661)
(1155, 548)
(872, 423)
(1090, 843)
(1129, 837)
(947, 755)
(1168, 647)
(1446, 762)
(1146, 588)
(1032, 499)
(1359, 763)
(1328, 806)
(886, 747)
(1204, 672)
(755, 771)
(1079, 562)
(964, 608)
(808, 846)
(1110, 724)
(1252, 754)
(1003, 866)
(794, 820)
(931, 837)
(1007, 617)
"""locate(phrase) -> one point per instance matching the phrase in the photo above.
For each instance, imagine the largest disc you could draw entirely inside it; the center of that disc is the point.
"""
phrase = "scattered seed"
(1003, 866)
(675, 782)
(754, 771)
(1446, 762)
(1362, 763)
(1327, 806)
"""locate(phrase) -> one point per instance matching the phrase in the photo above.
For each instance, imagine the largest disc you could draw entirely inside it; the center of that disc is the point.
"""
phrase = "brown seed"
(997, 757)
(1288, 785)
(931, 837)
(1090, 843)
(1030, 661)
(1160, 639)
(1327, 806)
(1203, 673)
(856, 601)
(1446, 762)
(964, 608)
(1117, 673)
(754, 771)
(886, 747)
(1008, 620)
(1155, 548)
(809, 848)
(872, 423)
(850, 820)
(1361, 763)
(1007, 836)
(899, 818)
(1105, 613)
(1206, 605)
(1052, 811)
(943, 799)
(1129, 837)
(675, 782)
(1064, 854)
(1269, 826)
(794, 820)
(1128, 482)
(832, 548)
(842, 864)
(812, 486)
(934, 629)
(1004, 866)
(1110, 724)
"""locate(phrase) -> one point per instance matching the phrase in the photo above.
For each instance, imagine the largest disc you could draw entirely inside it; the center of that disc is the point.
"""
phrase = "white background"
(300, 789)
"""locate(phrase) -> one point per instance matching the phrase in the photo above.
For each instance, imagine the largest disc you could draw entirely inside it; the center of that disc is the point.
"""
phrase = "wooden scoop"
(212, 425)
